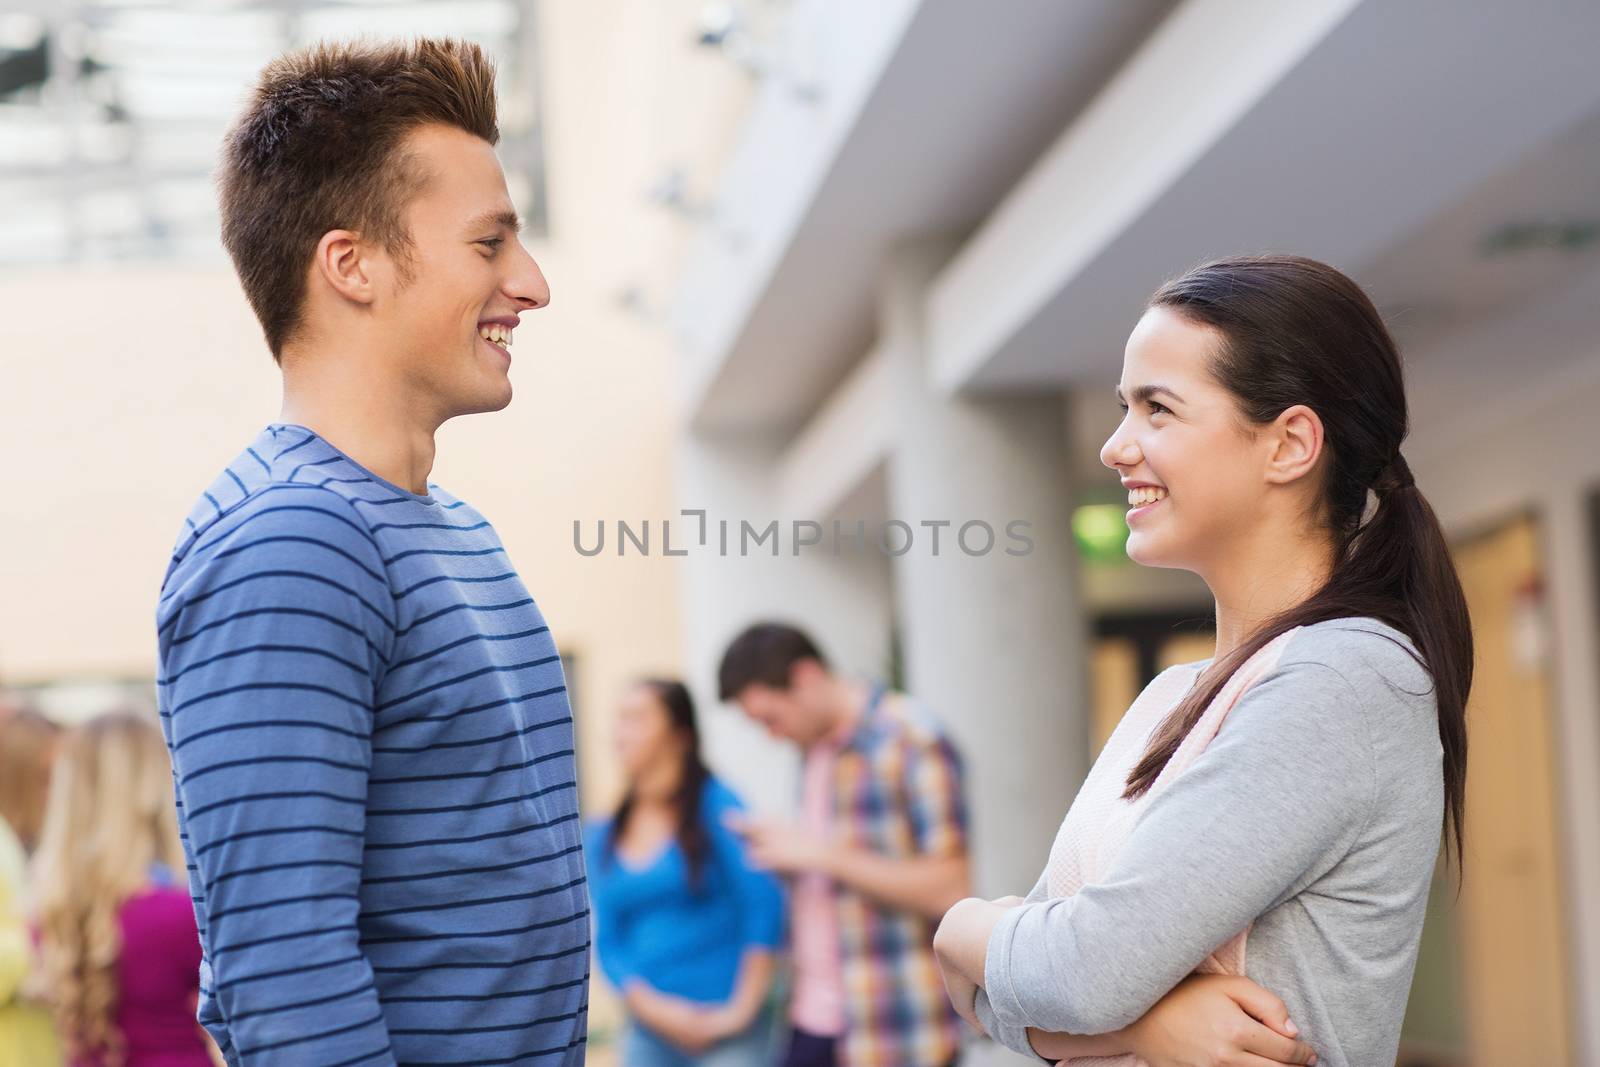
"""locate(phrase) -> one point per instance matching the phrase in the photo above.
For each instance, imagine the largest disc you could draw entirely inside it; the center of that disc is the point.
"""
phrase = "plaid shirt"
(896, 792)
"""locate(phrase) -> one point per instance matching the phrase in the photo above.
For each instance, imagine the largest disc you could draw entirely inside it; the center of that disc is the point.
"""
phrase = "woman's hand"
(694, 1028)
(963, 994)
(960, 945)
(1211, 1020)
(682, 1023)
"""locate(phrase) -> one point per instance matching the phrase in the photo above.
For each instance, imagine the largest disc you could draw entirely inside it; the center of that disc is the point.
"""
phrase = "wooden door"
(1512, 915)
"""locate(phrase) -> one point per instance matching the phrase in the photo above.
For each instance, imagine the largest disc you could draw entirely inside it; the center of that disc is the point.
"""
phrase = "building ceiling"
(112, 111)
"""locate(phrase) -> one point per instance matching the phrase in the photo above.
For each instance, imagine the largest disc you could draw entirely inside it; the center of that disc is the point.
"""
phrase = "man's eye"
(492, 242)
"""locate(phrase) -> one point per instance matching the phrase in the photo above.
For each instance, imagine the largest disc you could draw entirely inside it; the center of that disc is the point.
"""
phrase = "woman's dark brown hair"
(1294, 331)
(321, 146)
(693, 836)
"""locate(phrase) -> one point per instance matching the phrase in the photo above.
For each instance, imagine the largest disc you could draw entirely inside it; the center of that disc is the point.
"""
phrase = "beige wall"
(108, 436)
(124, 389)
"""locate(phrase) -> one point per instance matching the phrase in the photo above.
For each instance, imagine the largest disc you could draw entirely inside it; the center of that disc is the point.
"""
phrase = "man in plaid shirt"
(877, 857)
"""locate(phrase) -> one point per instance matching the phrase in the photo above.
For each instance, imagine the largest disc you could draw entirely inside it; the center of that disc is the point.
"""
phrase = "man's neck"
(377, 429)
(849, 704)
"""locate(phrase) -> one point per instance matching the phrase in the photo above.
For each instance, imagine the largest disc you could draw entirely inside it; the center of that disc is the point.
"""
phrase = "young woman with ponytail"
(686, 929)
(1243, 876)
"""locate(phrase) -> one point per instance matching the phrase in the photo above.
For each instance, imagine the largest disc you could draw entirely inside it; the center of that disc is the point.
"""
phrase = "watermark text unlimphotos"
(693, 532)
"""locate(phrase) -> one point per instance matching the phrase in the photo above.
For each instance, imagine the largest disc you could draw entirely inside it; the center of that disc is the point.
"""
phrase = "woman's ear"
(1296, 437)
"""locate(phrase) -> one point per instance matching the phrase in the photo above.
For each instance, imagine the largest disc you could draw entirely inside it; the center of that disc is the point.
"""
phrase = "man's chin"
(494, 393)
(485, 401)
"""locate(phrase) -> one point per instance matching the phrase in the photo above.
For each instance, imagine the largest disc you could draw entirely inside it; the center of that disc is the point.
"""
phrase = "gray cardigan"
(1315, 813)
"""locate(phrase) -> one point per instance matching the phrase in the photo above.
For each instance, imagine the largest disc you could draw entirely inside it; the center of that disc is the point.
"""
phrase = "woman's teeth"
(1143, 495)
(496, 334)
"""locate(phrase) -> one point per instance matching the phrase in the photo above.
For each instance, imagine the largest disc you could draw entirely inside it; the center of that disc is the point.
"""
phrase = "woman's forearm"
(749, 989)
(1067, 1046)
(961, 945)
(963, 937)
(963, 994)
(656, 1010)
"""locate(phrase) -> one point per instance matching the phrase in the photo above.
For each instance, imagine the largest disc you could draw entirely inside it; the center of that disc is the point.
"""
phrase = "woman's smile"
(1143, 498)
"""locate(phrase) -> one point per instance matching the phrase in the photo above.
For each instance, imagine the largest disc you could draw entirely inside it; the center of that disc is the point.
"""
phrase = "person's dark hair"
(763, 655)
(693, 836)
(1294, 331)
(27, 745)
(320, 146)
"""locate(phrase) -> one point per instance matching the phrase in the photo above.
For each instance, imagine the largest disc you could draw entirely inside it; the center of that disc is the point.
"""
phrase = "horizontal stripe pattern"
(374, 770)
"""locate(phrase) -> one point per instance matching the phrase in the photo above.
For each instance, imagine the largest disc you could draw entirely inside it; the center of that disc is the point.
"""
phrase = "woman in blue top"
(686, 930)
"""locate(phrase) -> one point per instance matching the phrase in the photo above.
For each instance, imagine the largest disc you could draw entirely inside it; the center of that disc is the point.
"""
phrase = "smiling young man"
(369, 725)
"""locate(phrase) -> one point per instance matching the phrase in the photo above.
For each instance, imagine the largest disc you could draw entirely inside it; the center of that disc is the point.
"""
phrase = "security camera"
(671, 191)
(717, 22)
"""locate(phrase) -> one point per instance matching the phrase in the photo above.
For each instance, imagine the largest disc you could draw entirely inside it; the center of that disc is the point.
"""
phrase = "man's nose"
(527, 284)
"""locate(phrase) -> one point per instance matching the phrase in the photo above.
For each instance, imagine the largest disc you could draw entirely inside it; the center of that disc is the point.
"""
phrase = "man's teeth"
(1145, 495)
(498, 334)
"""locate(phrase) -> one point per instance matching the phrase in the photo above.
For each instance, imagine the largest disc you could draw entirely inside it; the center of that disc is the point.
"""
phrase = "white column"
(1569, 554)
(993, 641)
(841, 601)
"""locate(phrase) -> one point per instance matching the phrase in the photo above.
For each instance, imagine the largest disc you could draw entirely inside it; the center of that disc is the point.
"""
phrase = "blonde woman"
(27, 743)
(117, 929)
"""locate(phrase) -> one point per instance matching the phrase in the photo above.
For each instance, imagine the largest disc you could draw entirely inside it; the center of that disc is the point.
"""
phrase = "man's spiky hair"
(320, 146)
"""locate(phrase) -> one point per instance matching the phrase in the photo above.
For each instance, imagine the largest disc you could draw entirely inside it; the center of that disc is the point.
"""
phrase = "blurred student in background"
(117, 929)
(27, 745)
(879, 854)
(687, 931)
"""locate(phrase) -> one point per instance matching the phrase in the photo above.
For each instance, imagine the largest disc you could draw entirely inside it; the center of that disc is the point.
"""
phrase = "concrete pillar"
(1569, 548)
(994, 641)
(842, 601)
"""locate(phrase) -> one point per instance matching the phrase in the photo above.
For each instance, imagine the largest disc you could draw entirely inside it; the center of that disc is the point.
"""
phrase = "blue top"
(373, 757)
(650, 924)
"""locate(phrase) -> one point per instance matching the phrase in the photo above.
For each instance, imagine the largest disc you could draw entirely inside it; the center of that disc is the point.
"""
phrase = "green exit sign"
(1101, 531)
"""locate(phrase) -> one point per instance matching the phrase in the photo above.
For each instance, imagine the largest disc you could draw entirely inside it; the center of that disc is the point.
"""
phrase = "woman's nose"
(1119, 450)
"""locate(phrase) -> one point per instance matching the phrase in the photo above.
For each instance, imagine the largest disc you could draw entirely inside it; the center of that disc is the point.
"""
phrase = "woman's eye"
(1159, 409)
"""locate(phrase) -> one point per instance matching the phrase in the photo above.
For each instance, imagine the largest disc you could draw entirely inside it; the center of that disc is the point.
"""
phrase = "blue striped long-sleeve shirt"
(373, 755)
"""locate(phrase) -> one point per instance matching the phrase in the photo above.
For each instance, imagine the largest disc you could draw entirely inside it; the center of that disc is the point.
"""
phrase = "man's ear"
(341, 261)
(803, 672)
(1296, 444)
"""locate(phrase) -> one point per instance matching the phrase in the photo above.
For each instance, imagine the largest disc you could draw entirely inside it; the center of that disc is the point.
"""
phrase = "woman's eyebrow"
(1146, 393)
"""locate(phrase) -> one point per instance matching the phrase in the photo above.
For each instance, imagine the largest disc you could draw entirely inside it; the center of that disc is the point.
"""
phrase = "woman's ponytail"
(1402, 547)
